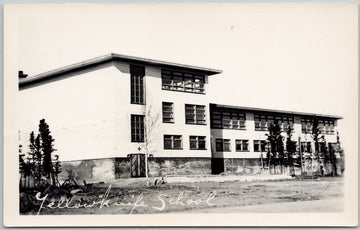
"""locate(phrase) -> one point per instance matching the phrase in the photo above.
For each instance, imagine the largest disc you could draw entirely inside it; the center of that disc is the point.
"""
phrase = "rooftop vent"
(22, 75)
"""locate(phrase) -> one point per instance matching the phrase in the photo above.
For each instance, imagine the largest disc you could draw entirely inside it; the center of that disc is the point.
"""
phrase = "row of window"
(194, 114)
(180, 81)
(175, 142)
(263, 122)
(325, 126)
(237, 120)
(224, 145)
(227, 120)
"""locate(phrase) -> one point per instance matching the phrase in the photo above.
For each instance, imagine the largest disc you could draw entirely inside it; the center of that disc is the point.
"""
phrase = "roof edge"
(110, 57)
(276, 111)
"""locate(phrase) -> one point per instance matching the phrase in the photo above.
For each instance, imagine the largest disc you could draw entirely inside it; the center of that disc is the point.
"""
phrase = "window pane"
(177, 142)
(202, 142)
(226, 145)
(137, 87)
(238, 144)
(168, 116)
(245, 145)
(219, 145)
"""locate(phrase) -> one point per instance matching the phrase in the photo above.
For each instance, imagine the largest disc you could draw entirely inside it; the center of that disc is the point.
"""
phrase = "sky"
(298, 57)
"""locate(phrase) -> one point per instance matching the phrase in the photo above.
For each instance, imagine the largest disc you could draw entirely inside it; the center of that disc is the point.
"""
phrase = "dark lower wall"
(122, 167)
(160, 166)
(91, 171)
(240, 166)
(107, 170)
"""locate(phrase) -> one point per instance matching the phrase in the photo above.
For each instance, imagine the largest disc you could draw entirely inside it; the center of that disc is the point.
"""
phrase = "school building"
(106, 113)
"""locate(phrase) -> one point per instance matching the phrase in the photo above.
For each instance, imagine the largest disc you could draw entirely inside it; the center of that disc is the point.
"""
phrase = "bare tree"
(151, 118)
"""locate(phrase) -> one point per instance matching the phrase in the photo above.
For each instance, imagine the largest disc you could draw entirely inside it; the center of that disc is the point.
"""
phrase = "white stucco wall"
(155, 96)
(89, 114)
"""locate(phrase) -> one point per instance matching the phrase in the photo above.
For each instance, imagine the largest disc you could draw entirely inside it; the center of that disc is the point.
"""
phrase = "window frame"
(195, 114)
(183, 81)
(225, 119)
(137, 87)
(242, 141)
(173, 139)
(222, 145)
(197, 139)
(172, 117)
(137, 131)
(261, 143)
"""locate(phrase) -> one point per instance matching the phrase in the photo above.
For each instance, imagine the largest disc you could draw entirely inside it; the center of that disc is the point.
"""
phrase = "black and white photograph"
(181, 114)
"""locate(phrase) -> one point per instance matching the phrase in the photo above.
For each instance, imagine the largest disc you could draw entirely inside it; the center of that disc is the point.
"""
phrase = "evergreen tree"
(290, 148)
(276, 153)
(47, 149)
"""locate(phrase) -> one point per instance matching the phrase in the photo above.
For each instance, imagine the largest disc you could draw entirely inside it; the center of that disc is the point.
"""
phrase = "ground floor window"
(197, 142)
(172, 142)
(260, 146)
(242, 145)
(223, 145)
(306, 147)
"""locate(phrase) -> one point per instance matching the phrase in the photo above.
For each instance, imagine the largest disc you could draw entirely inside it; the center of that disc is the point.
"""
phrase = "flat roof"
(307, 114)
(110, 57)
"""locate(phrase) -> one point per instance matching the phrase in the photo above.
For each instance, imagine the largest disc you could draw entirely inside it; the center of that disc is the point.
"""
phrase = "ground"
(222, 196)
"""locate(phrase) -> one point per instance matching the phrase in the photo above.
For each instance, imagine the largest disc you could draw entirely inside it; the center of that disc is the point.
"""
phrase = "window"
(137, 128)
(228, 120)
(306, 147)
(195, 114)
(223, 145)
(168, 112)
(263, 122)
(137, 84)
(180, 81)
(242, 145)
(198, 142)
(172, 142)
(260, 146)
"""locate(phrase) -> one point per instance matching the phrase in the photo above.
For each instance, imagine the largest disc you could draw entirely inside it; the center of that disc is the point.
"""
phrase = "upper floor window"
(137, 84)
(263, 122)
(242, 145)
(180, 81)
(172, 142)
(137, 128)
(325, 126)
(195, 114)
(223, 145)
(197, 142)
(228, 120)
(168, 112)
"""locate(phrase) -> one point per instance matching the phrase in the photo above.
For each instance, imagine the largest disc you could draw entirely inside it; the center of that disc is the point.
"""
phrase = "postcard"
(181, 114)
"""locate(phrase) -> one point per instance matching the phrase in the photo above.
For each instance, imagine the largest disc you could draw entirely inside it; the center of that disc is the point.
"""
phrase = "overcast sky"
(299, 57)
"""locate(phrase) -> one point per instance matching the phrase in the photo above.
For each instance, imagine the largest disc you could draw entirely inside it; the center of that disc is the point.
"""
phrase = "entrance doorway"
(137, 165)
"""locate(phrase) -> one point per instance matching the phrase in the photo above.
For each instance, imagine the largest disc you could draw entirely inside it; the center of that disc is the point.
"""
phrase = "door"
(137, 165)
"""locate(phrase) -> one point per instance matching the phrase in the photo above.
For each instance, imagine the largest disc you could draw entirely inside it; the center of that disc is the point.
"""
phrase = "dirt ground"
(187, 196)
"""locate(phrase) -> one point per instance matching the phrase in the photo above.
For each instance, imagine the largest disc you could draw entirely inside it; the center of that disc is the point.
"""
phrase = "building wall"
(88, 114)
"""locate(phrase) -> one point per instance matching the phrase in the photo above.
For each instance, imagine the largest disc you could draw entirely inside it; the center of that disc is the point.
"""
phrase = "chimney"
(22, 75)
